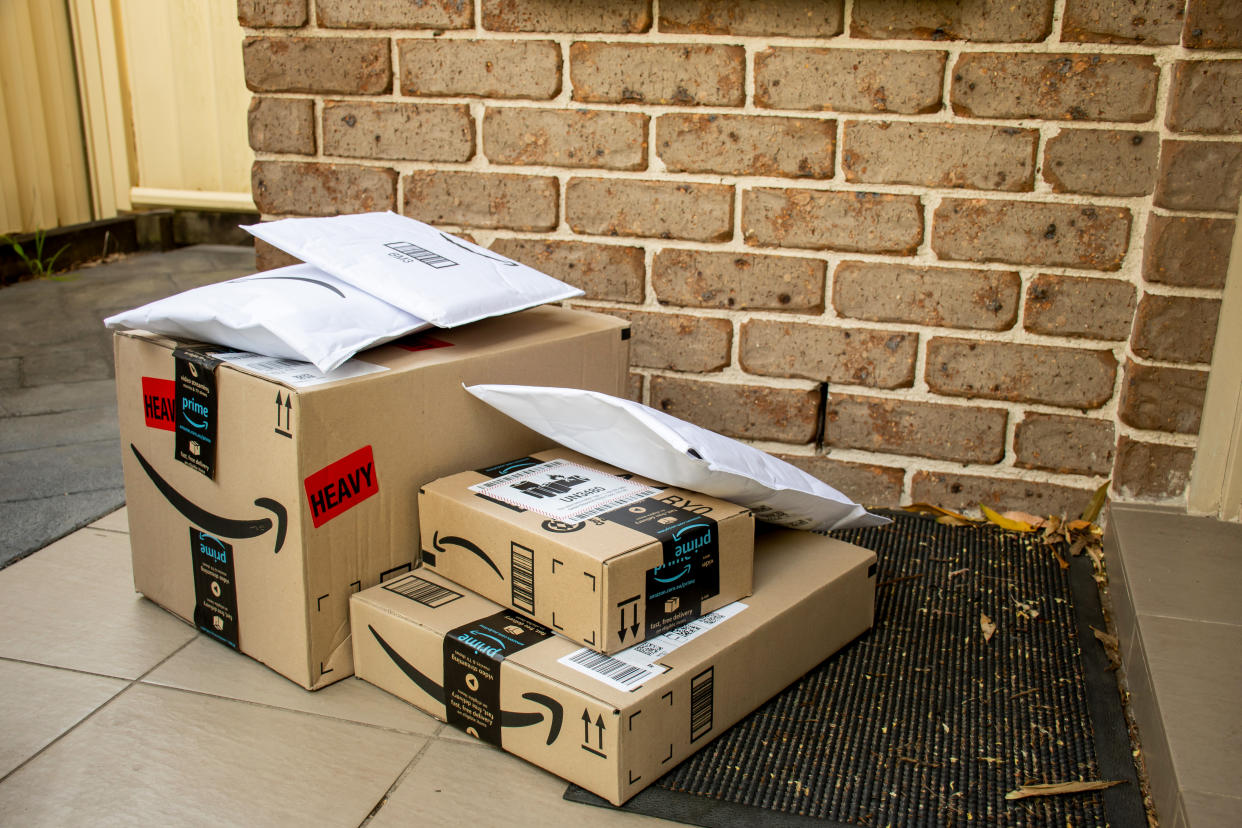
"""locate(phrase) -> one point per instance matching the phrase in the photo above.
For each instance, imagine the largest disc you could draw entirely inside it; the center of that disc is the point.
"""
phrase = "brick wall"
(977, 248)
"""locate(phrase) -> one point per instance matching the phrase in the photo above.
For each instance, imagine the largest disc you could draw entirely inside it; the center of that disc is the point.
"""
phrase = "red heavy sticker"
(340, 486)
(421, 342)
(159, 403)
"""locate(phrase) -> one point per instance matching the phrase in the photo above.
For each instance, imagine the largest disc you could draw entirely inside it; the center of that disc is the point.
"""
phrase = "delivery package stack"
(468, 517)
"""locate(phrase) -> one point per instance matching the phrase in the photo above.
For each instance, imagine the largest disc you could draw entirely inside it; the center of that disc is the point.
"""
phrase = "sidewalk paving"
(60, 460)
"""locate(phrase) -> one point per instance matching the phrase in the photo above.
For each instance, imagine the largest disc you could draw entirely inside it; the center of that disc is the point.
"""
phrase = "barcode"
(618, 671)
(701, 703)
(522, 561)
(424, 592)
(425, 256)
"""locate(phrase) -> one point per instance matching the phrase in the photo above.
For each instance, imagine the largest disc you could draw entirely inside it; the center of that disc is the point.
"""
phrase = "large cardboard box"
(312, 488)
(603, 559)
(613, 724)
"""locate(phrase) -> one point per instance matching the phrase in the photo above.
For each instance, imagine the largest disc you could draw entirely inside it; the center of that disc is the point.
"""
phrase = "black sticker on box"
(215, 590)
(197, 408)
(690, 572)
(472, 657)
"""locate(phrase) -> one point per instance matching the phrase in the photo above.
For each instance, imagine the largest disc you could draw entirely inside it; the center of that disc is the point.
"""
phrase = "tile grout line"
(401, 777)
(92, 713)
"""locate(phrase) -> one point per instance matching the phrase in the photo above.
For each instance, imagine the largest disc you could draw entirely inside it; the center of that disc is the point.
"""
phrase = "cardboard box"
(605, 560)
(613, 724)
(313, 487)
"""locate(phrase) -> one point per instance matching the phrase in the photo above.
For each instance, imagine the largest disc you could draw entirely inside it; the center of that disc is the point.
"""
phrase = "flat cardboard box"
(603, 559)
(613, 724)
(313, 493)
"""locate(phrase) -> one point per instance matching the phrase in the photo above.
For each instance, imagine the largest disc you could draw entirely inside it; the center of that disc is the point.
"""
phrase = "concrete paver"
(60, 461)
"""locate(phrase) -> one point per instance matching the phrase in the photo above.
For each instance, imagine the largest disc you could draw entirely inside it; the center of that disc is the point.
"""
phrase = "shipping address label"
(564, 491)
(632, 667)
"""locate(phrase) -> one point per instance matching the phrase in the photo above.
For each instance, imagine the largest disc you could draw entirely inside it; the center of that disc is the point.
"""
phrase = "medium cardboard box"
(613, 724)
(603, 559)
(259, 501)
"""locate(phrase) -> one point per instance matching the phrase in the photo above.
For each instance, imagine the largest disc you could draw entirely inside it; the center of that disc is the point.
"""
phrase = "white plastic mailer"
(653, 444)
(296, 312)
(435, 276)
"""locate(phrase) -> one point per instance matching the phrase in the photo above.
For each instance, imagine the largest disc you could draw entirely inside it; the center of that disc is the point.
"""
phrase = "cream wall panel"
(42, 161)
(188, 100)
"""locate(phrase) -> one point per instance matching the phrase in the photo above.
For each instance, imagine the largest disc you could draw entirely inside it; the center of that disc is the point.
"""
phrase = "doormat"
(926, 720)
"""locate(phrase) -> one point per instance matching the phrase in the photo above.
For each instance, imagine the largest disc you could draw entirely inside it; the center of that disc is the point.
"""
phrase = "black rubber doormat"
(922, 721)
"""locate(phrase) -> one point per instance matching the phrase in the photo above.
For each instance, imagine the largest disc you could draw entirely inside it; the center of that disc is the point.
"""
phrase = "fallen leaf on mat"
(1035, 521)
(1004, 522)
(953, 520)
(1055, 788)
(927, 508)
(989, 629)
(1097, 503)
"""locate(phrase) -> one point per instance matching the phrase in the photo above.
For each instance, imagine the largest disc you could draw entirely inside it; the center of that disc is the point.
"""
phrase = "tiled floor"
(1175, 583)
(114, 712)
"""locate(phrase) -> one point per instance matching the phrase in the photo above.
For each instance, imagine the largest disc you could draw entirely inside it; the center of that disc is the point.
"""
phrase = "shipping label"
(215, 591)
(564, 491)
(631, 668)
(296, 374)
(197, 407)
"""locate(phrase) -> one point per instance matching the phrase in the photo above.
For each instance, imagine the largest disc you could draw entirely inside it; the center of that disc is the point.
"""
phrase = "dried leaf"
(1078, 546)
(1055, 788)
(954, 520)
(1109, 641)
(929, 509)
(1097, 503)
(1061, 562)
(1004, 522)
(1035, 521)
(1079, 525)
(989, 629)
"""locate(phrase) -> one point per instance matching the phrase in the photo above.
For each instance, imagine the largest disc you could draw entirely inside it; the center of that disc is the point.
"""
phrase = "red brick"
(1069, 445)
(331, 65)
(605, 271)
(1022, 232)
(656, 209)
(398, 131)
(308, 189)
(862, 482)
(1150, 22)
(1200, 175)
(471, 199)
(678, 342)
(753, 412)
(967, 492)
(1068, 377)
(1025, 22)
(747, 145)
(1175, 328)
(616, 16)
(1213, 24)
(1102, 162)
(1206, 97)
(943, 297)
(741, 281)
(395, 14)
(791, 18)
(1151, 471)
(849, 80)
(635, 387)
(1070, 87)
(845, 221)
(480, 68)
(1187, 252)
(688, 74)
(566, 137)
(880, 359)
(939, 155)
(267, 257)
(1079, 306)
(962, 434)
(260, 14)
(282, 125)
(1157, 398)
